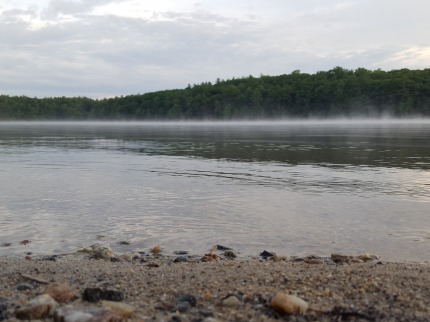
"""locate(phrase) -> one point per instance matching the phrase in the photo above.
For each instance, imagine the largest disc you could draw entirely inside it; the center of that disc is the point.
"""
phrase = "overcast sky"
(105, 48)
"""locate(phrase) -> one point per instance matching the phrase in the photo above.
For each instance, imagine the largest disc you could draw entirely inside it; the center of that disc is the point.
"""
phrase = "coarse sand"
(162, 288)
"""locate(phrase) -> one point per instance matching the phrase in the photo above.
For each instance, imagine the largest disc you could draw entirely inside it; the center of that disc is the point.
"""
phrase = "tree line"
(336, 92)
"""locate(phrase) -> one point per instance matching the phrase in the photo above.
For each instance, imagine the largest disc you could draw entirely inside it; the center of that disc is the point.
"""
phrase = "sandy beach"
(214, 287)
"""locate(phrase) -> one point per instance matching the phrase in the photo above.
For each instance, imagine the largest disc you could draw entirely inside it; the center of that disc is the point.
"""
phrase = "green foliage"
(337, 92)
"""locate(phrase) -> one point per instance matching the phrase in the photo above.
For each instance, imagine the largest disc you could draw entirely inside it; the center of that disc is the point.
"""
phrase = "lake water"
(295, 188)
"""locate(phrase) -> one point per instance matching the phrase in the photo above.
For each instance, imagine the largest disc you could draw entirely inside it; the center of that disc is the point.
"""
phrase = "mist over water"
(296, 188)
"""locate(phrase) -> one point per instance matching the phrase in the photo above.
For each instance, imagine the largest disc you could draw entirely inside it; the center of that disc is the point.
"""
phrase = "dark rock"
(180, 259)
(111, 295)
(187, 298)
(265, 254)
(180, 252)
(207, 314)
(97, 294)
(230, 254)
(3, 310)
(92, 294)
(182, 307)
(24, 287)
(223, 248)
(52, 258)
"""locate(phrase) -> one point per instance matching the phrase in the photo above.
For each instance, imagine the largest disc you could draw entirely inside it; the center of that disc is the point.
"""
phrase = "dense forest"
(337, 92)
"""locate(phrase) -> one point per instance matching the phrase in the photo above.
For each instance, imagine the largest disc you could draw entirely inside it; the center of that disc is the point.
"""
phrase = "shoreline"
(98, 285)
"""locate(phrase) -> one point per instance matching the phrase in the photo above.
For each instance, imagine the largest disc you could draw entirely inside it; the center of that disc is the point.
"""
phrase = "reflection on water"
(294, 188)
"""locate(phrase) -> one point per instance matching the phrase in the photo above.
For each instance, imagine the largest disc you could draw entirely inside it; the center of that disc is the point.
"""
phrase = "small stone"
(368, 257)
(230, 254)
(156, 250)
(124, 242)
(314, 261)
(265, 254)
(62, 293)
(72, 314)
(125, 310)
(231, 301)
(52, 258)
(180, 252)
(96, 294)
(221, 247)
(40, 307)
(24, 287)
(180, 259)
(98, 251)
(289, 304)
(338, 258)
(191, 299)
(182, 307)
(209, 258)
(24, 242)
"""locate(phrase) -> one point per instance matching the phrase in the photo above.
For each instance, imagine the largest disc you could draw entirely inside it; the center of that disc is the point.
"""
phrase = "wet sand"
(153, 287)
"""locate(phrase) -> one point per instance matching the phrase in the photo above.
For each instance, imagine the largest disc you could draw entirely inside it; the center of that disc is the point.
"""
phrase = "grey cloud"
(109, 55)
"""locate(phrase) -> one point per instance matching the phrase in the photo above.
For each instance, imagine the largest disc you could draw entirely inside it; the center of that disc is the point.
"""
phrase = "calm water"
(294, 188)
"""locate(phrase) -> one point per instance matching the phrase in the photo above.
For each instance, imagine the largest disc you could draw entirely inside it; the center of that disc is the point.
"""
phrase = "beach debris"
(289, 304)
(40, 307)
(265, 254)
(35, 279)
(52, 258)
(123, 309)
(71, 314)
(98, 251)
(231, 301)
(230, 254)
(96, 294)
(156, 250)
(124, 242)
(24, 242)
(60, 292)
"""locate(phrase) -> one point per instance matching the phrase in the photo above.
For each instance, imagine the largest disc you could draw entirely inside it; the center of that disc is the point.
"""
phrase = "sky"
(108, 48)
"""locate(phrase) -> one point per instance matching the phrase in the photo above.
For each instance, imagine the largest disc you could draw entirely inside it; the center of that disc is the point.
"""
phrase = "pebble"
(72, 314)
(98, 251)
(209, 258)
(62, 293)
(289, 304)
(180, 259)
(40, 307)
(24, 286)
(265, 254)
(231, 301)
(368, 257)
(97, 294)
(191, 299)
(339, 258)
(180, 252)
(123, 309)
(230, 254)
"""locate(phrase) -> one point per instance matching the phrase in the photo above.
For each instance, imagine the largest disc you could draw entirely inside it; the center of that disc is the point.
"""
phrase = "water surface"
(296, 188)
